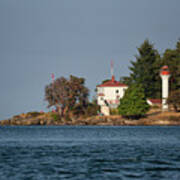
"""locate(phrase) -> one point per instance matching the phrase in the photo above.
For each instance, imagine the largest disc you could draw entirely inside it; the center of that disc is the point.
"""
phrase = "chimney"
(113, 78)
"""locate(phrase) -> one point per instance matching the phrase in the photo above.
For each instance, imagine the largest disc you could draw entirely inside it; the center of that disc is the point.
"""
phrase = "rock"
(42, 122)
(168, 118)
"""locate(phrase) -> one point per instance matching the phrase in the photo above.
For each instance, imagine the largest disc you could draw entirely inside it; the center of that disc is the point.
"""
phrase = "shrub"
(55, 116)
(155, 107)
(17, 117)
(174, 100)
(114, 111)
(92, 109)
(78, 110)
(67, 117)
(174, 118)
(33, 114)
(133, 105)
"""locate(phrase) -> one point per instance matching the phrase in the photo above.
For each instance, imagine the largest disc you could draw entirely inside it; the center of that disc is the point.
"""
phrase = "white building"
(154, 102)
(109, 95)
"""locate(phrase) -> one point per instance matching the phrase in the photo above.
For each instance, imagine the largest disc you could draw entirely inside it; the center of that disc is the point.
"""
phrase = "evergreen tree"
(171, 57)
(133, 104)
(174, 100)
(145, 70)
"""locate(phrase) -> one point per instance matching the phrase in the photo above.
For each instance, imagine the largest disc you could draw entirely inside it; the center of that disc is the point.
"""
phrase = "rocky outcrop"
(33, 118)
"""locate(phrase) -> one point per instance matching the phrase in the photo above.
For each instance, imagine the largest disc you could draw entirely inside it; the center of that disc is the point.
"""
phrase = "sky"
(78, 37)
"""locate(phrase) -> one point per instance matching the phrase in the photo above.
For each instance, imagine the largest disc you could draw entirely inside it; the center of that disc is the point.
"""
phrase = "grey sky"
(79, 37)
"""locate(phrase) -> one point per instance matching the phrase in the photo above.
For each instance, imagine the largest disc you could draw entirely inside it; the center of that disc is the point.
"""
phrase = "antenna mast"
(112, 68)
(53, 77)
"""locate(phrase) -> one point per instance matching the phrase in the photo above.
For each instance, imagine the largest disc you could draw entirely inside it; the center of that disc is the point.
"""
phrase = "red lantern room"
(165, 70)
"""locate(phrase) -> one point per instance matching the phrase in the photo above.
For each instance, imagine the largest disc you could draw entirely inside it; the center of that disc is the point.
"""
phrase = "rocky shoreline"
(35, 118)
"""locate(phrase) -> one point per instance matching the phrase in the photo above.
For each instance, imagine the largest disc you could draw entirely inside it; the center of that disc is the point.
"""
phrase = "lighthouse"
(165, 75)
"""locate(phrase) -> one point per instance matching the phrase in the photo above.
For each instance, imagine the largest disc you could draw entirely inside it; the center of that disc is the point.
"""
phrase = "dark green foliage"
(133, 105)
(145, 70)
(125, 80)
(64, 93)
(67, 117)
(171, 58)
(55, 116)
(114, 111)
(78, 109)
(174, 100)
(92, 109)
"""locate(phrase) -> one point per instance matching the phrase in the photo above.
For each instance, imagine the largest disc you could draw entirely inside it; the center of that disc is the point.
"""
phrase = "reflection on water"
(86, 153)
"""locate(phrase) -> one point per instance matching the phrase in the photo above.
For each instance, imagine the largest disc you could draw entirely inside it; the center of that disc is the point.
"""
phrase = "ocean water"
(89, 153)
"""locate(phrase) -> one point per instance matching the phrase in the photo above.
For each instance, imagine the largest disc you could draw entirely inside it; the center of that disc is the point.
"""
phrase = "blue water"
(89, 153)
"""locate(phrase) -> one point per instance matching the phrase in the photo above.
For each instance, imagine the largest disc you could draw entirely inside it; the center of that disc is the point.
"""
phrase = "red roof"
(112, 83)
(165, 70)
(155, 101)
(165, 73)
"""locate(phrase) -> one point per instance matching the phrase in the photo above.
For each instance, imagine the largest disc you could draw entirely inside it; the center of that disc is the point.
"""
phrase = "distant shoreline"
(153, 118)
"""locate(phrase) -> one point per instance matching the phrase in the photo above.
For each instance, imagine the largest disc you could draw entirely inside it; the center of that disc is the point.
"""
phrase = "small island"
(150, 95)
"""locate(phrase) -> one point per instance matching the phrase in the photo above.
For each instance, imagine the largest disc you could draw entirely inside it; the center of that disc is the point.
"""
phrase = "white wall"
(110, 93)
(165, 91)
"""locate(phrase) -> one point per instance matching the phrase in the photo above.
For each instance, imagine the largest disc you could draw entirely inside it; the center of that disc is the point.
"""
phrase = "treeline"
(145, 69)
(144, 80)
(70, 96)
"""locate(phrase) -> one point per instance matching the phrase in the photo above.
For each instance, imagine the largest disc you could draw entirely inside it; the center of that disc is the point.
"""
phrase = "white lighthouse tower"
(165, 75)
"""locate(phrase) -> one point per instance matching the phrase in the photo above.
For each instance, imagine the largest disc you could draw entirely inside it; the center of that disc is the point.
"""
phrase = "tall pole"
(52, 76)
(112, 71)
(112, 68)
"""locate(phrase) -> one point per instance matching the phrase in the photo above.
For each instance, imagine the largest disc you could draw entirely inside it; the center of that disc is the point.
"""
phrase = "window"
(100, 90)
